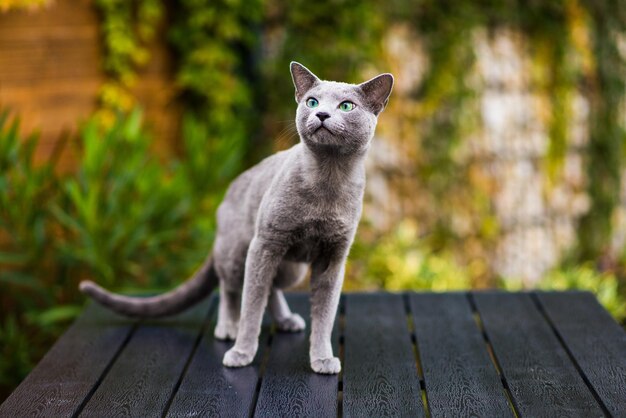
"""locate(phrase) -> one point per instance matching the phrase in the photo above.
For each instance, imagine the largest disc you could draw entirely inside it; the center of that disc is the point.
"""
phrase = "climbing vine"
(557, 38)
(606, 147)
(232, 59)
(216, 42)
(126, 27)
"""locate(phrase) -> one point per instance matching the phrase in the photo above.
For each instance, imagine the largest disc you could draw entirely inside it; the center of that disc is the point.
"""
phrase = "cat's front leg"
(262, 263)
(326, 284)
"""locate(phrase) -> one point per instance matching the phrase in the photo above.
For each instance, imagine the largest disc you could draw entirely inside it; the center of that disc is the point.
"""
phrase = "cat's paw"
(237, 358)
(326, 366)
(225, 331)
(293, 323)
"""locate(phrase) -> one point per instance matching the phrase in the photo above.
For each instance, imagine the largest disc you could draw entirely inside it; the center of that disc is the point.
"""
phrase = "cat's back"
(245, 193)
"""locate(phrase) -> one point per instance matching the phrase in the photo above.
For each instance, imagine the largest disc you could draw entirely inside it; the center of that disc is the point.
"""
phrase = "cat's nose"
(322, 116)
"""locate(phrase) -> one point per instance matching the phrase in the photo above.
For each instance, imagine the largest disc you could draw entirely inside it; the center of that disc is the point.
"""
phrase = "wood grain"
(212, 390)
(380, 372)
(289, 387)
(144, 376)
(595, 340)
(72, 367)
(542, 379)
(459, 376)
(104, 366)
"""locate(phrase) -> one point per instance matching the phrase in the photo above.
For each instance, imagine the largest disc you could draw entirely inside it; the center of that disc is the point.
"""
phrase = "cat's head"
(338, 117)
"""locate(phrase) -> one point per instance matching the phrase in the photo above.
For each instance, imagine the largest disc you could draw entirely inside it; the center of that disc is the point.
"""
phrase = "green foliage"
(583, 277)
(215, 41)
(125, 215)
(574, 45)
(16, 357)
(121, 216)
(400, 261)
(25, 191)
(606, 147)
(126, 28)
(32, 285)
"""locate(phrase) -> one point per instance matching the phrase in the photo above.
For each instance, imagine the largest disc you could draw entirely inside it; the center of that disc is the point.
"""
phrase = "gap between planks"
(341, 323)
(492, 355)
(558, 336)
(416, 352)
(262, 367)
(104, 374)
(203, 329)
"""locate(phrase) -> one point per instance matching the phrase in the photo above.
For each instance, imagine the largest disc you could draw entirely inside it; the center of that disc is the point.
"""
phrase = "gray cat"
(295, 210)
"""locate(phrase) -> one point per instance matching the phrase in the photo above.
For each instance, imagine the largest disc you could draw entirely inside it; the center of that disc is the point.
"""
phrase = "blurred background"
(499, 162)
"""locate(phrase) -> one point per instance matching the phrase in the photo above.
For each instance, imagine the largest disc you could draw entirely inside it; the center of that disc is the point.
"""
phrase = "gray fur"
(295, 210)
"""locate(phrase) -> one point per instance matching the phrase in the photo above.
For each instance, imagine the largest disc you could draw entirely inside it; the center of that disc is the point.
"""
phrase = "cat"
(294, 211)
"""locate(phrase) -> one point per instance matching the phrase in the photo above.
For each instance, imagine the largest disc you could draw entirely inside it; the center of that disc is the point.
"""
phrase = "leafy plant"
(215, 42)
(124, 214)
(127, 26)
(32, 286)
(583, 277)
(399, 261)
(25, 191)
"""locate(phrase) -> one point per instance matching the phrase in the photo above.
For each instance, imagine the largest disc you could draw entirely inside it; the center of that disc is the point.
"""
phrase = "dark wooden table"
(453, 354)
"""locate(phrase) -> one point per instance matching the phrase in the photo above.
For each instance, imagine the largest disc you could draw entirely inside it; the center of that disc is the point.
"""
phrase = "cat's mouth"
(322, 127)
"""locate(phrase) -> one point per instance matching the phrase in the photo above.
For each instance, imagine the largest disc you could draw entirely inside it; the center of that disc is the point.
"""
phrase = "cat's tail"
(200, 285)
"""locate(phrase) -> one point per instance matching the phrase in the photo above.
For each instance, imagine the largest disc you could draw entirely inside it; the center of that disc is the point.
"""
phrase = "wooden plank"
(542, 379)
(595, 340)
(210, 389)
(72, 367)
(380, 373)
(146, 373)
(289, 387)
(460, 378)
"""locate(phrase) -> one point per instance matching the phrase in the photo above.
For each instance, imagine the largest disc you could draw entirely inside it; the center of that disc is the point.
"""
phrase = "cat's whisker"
(285, 136)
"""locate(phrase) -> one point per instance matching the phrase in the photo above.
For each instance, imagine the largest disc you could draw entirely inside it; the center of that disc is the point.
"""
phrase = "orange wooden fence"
(51, 72)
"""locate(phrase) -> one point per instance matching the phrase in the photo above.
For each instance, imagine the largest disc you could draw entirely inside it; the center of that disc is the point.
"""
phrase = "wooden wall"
(50, 74)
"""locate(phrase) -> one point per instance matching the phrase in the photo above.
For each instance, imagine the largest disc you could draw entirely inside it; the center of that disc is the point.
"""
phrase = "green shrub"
(399, 261)
(32, 287)
(122, 217)
(125, 215)
(583, 277)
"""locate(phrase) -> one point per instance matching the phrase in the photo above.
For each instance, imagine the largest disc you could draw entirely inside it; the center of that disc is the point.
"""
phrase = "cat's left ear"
(376, 92)
(303, 79)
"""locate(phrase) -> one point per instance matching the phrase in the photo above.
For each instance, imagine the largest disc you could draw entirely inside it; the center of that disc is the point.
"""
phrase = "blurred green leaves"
(604, 286)
(25, 220)
(400, 260)
(28, 275)
(124, 214)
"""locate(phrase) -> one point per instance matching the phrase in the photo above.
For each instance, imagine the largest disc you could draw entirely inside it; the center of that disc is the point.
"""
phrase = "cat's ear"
(376, 91)
(303, 79)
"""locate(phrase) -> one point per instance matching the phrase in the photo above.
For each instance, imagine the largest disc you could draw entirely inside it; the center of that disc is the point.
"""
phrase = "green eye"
(347, 106)
(311, 102)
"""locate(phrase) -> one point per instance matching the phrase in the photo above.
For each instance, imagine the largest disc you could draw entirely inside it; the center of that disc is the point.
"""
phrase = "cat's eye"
(312, 102)
(347, 106)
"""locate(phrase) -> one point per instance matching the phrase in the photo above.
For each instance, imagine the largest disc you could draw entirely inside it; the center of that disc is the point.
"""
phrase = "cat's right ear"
(303, 79)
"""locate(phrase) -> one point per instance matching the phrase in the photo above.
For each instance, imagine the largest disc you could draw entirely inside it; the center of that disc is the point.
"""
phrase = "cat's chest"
(314, 238)
(308, 236)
